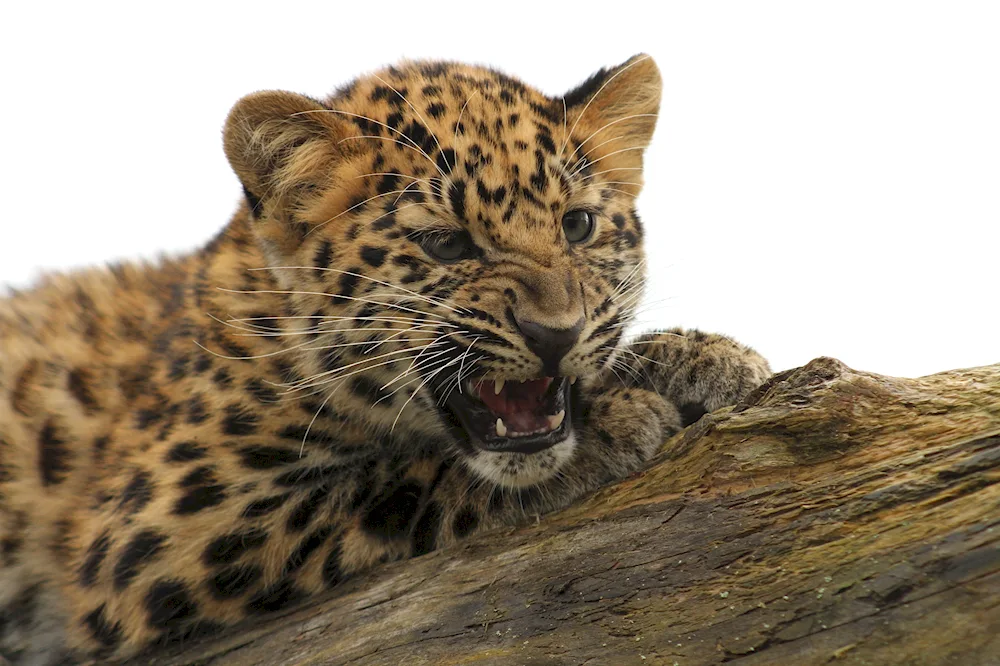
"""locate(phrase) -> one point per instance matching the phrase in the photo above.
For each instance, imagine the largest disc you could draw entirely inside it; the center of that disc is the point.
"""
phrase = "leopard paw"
(697, 372)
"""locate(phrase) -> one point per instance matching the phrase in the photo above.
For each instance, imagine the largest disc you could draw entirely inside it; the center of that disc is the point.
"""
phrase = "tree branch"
(834, 516)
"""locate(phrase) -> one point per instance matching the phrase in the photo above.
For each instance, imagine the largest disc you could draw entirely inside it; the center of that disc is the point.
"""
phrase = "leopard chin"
(519, 471)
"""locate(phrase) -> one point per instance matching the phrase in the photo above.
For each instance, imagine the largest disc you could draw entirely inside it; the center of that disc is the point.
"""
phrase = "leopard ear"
(281, 145)
(620, 103)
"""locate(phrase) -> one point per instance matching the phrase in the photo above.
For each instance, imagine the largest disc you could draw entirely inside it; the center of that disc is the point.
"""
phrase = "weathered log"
(834, 516)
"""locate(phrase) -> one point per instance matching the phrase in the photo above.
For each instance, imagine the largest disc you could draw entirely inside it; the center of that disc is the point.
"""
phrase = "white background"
(825, 179)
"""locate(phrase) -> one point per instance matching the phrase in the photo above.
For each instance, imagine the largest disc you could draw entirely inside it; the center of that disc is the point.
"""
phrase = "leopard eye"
(578, 225)
(449, 248)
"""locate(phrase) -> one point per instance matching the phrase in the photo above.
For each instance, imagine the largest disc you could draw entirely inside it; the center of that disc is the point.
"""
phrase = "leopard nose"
(550, 344)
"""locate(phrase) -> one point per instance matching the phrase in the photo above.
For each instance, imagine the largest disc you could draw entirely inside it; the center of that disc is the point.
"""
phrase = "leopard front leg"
(696, 372)
(621, 428)
(660, 383)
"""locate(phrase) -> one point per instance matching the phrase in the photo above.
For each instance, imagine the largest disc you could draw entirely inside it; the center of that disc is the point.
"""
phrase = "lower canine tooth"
(497, 386)
(556, 419)
(502, 429)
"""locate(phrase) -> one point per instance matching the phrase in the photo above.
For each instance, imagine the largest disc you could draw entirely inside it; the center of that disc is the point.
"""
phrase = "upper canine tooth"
(556, 419)
(572, 380)
(498, 386)
(501, 428)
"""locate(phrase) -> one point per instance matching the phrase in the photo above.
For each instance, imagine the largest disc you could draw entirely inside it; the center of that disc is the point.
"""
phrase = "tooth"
(497, 386)
(572, 380)
(556, 419)
(502, 429)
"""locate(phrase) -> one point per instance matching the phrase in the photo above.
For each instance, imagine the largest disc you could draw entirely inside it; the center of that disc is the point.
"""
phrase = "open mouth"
(514, 416)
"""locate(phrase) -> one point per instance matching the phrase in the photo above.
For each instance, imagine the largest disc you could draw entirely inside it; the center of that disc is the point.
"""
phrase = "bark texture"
(833, 517)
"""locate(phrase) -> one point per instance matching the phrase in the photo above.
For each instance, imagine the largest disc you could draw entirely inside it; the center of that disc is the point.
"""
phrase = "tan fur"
(188, 443)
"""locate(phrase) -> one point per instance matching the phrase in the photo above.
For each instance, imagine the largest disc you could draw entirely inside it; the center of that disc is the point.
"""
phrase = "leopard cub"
(410, 330)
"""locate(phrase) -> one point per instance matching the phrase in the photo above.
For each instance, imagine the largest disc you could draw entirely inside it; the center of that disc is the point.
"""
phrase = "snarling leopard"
(414, 328)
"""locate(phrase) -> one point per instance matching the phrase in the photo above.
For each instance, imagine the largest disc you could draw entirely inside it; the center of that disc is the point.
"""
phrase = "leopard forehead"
(473, 148)
(449, 145)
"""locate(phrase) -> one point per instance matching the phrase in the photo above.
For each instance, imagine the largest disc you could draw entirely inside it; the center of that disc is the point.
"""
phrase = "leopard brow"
(413, 144)
(362, 203)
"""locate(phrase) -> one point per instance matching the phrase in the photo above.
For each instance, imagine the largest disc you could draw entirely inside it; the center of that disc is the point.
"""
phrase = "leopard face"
(456, 248)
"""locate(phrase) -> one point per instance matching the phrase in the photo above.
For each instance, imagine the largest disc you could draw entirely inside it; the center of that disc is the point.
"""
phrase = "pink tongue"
(520, 405)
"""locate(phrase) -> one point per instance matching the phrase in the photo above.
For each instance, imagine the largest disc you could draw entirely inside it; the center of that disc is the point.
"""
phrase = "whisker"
(598, 173)
(449, 384)
(329, 375)
(247, 358)
(291, 292)
(578, 164)
(613, 358)
(422, 384)
(609, 124)
(462, 364)
(646, 307)
(644, 357)
(330, 326)
(602, 157)
(429, 335)
(628, 278)
(326, 331)
(633, 292)
(611, 366)
(459, 379)
(448, 335)
(404, 191)
(319, 410)
(428, 299)
(670, 334)
(601, 189)
(374, 345)
(397, 390)
(310, 382)
(612, 189)
(426, 364)
(255, 330)
(412, 368)
(649, 379)
(621, 363)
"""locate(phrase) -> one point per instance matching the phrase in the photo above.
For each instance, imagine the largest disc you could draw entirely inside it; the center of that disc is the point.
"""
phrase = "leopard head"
(456, 248)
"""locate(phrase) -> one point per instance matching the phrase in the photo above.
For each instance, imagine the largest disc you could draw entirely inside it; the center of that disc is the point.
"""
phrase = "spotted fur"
(188, 443)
